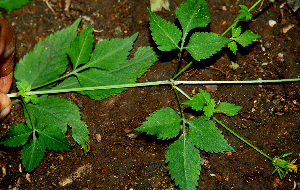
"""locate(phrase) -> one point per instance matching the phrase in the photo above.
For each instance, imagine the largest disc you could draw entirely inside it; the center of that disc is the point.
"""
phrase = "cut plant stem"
(172, 82)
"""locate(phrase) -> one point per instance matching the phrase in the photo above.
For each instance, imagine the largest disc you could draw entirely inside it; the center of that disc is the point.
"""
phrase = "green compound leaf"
(165, 34)
(198, 101)
(32, 153)
(81, 48)
(228, 109)
(53, 139)
(203, 45)
(12, 4)
(246, 38)
(192, 14)
(164, 123)
(16, 136)
(48, 59)
(128, 72)
(244, 12)
(60, 113)
(184, 163)
(109, 54)
(205, 135)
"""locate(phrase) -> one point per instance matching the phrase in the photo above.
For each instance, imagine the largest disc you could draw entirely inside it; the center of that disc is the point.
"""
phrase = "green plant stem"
(182, 70)
(178, 64)
(173, 82)
(182, 92)
(55, 91)
(238, 82)
(242, 139)
(228, 29)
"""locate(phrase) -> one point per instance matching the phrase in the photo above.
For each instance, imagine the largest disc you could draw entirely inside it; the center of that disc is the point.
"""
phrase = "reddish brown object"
(7, 52)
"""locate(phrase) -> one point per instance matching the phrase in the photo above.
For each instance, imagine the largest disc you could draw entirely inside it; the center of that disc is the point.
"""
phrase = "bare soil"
(119, 157)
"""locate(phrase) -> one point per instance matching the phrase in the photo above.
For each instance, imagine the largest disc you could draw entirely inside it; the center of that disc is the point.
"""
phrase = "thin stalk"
(182, 92)
(178, 64)
(182, 70)
(55, 91)
(242, 139)
(238, 82)
(174, 82)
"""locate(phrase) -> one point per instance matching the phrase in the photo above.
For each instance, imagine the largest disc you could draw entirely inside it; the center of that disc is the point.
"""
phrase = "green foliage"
(23, 88)
(165, 34)
(164, 123)
(184, 163)
(203, 45)
(48, 118)
(12, 4)
(48, 60)
(183, 158)
(246, 38)
(244, 13)
(193, 14)
(205, 135)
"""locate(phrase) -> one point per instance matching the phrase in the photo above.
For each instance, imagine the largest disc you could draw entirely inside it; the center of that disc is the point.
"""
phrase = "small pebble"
(224, 8)
(272, 23)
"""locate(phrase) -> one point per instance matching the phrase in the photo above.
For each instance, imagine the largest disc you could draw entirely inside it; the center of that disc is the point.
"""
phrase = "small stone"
(224, 8)
(98, 137)
(272, 23)
(280, 55)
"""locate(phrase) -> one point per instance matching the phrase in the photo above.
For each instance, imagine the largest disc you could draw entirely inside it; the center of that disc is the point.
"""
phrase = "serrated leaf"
(81, 48)
(246, 38)
(53, 139)
(203, 45)
(31, 154)
(60, 113)
(96, 77)
(48, 59)
(244, 12)
(198, 101)
(192, 14)
(12, 4)
(209, 109)
(205, 135)
(184, 163)
(80, 133)
(236, 30)
(16, 136)
(165, 34)
(228, 109)
(109, 54)
(134, 68)
(164, 123)
(233, 47)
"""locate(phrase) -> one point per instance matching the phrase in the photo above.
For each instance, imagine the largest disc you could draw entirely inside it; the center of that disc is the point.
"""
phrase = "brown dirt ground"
(270, 118)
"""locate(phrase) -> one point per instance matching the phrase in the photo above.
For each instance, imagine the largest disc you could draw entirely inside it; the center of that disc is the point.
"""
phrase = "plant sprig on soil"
(105, 70)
